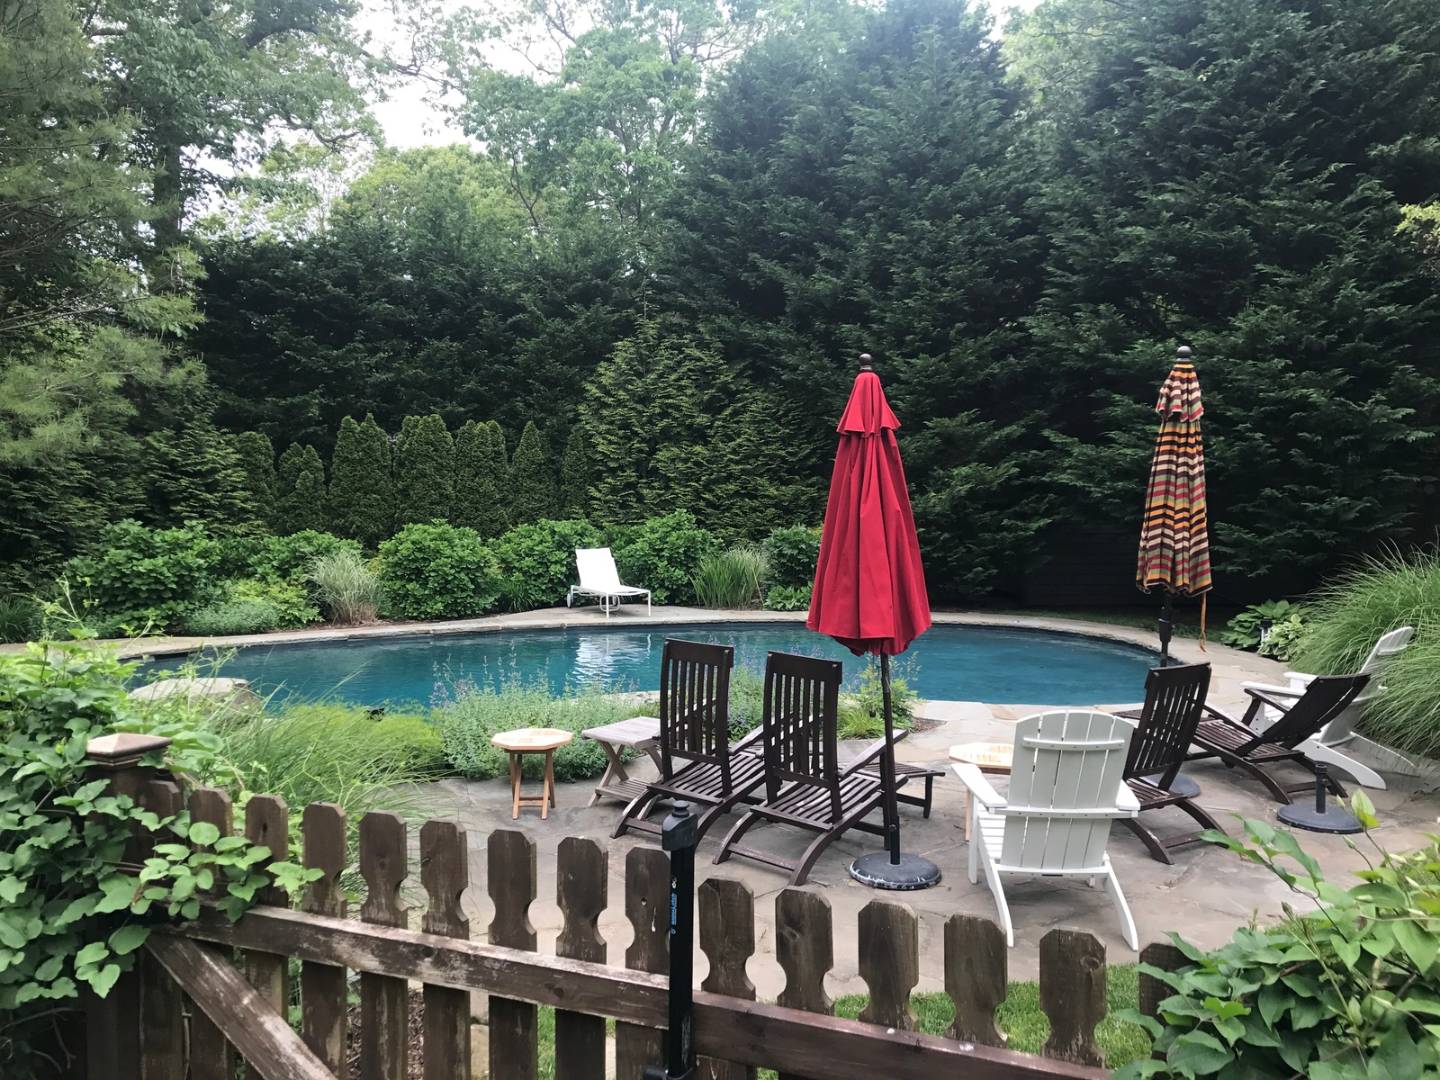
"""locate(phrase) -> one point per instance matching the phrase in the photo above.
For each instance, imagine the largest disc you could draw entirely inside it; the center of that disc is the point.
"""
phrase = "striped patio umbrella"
(1175, 536)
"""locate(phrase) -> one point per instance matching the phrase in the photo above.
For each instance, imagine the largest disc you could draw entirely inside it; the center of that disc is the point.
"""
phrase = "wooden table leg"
(514, 785)
(547, 796)
(614, 772)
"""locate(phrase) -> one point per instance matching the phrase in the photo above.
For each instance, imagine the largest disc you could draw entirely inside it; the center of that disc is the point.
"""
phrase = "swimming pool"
(966, 663)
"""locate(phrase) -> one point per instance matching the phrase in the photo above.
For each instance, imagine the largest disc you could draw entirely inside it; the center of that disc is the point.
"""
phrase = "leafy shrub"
(331, 752)
(537, 561)
(68, 913)
(1246, 629)
(862, 713)
(1348, 615)
(253, 607)
(19, 618)
(1350, 989)
(792, 552)
(139, 576)
(788, 598)
(476, 713)
(438, 571)
(347, 586)
(731, 579)
(1285, 637)
(662, 555)
(289, 558)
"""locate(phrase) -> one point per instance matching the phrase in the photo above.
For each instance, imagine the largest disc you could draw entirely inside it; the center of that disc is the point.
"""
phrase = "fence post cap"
(123, 747)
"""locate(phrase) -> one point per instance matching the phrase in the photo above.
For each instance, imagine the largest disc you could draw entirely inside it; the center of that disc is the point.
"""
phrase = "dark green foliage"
(575, 476)
(662, 555)
(248, 606)
(257, 462)
(438, 571)
(424, 470)
(792, 552)
(537, 561)
(287, 558)
(301, 503)
(19, 618)
(140, 576)
(480, 494)
(193, 472)
(788, 597)
(531, 483)
(362, 490)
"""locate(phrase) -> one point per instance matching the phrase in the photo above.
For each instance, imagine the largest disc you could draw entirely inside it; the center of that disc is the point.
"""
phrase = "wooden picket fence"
(211, 993)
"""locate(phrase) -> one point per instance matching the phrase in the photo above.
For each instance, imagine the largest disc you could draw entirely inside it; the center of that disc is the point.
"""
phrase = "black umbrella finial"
(866, 362)
(1184, 353)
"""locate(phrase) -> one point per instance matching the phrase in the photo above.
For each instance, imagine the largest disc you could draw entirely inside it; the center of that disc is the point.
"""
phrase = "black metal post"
(887, 768)
(1166, 627)
(677, 836)
(1326, 817)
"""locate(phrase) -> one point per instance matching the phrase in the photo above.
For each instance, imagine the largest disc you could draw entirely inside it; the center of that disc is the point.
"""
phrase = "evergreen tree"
(424, 470)
(192, 471)
(478, 487)
(532, 479)
(500, 469)
(575, 476)
(362, 490)
(257, 461)
(301, 503)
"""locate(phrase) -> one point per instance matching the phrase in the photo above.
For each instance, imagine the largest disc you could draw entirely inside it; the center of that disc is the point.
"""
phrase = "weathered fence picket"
(889, 963)
(582, 887)
(211, 1056)
(647, 898)
(727, 937)
(267, 822)
(322, 986)
(1072, 993)
(162, 1005)
(975, 977)
(445, 873)
(805, 950)
(384, 1000)
(514, 1028)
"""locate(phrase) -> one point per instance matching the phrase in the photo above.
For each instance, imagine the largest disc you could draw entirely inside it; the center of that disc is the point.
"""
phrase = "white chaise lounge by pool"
(600, 581)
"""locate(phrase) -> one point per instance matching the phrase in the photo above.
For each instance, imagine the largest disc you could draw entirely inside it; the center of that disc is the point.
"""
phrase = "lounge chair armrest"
(749, 738)
(1273, 690)
(869, 757)
(974, 779)
(1268, 699)
(1126, 800)
(1298, 679)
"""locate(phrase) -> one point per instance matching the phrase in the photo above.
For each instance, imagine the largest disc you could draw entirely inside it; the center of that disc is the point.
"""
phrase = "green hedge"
(438, 571)
(536, 562)
(662, 555)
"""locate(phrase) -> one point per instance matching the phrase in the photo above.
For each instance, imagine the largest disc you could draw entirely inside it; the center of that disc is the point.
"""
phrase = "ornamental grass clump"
(731, 579)
(347, 587)
(1347, 617)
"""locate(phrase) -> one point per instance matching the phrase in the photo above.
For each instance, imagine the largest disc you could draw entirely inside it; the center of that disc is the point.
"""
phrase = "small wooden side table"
(524, 741)
(640, 733)
(988, 757)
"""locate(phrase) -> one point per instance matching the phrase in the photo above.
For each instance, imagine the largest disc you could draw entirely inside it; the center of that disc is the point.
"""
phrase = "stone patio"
(1205, 895)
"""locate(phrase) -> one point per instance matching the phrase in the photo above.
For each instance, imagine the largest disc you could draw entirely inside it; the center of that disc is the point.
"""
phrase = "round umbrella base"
(910, 873)
(1333, 819)
(1183, 785)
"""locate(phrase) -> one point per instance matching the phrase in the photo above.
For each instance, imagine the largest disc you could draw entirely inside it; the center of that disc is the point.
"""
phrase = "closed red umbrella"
(869, 590)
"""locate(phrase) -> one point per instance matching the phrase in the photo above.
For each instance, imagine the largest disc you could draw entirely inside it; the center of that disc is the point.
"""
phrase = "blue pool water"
(967, 663)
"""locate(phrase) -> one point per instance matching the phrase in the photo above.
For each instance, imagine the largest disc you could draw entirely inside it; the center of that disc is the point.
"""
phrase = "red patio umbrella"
(869, 590)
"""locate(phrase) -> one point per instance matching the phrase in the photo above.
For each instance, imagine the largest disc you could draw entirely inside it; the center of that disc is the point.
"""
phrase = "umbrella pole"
(1166, 627)
(887, 768)
(889, 869)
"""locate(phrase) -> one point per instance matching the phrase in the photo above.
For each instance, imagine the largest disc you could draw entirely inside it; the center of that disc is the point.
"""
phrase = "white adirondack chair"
(600, 579)
(1323, 747)
(1065, 790)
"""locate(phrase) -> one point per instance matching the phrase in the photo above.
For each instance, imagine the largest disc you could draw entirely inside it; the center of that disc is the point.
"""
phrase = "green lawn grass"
(1019, 1017)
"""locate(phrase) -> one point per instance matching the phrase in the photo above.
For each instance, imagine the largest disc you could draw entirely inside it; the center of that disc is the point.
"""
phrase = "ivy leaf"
(1397, 1058)
(128, 938)
(10, 888)
(1199, 1054)
(92, 953)
(203, 833)
(102, 980)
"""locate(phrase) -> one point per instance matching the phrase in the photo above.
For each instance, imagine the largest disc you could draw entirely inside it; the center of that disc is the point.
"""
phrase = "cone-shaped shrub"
(362, 490)
(424, 470)
(532, 479)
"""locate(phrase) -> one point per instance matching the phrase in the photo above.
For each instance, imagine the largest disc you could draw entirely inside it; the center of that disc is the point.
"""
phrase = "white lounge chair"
(1066, 788)
(1323, 747)
(599, 579)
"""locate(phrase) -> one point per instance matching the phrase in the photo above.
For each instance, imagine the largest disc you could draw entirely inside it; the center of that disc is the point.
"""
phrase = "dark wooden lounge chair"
(804, 786)
(1237, 743)
(1174, 705)
(697, 762)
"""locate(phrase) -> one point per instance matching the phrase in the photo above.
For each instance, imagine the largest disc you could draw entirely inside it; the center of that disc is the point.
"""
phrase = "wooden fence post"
(727, 936)
(889, 963)
(514, 1030)
(647, 898)
(323, 987)
(112, 1039)
(581, 890)
(211, 1056)
(384, 1001)
(163, 1005)
(1072, 993)
(445, 872)
(1152, 991)
(805, 949)
(267, 822)
(975, 977)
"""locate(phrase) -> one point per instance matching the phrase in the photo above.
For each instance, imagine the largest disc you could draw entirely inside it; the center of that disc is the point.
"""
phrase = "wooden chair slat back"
(1325, 698)
(1068, 759)
(802, 699)
(1174, 704)
(695, 704)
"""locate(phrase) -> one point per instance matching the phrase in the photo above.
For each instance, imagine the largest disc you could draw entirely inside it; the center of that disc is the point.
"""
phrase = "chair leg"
(1199, 813)
(813, 852)
(638, 807)
(1278, 793)
(1149, 839)
(739, 829)
(997, 889)
(1127, 921)
(929, 795)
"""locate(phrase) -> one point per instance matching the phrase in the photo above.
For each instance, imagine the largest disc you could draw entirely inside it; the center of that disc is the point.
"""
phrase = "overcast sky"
(409, 120)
